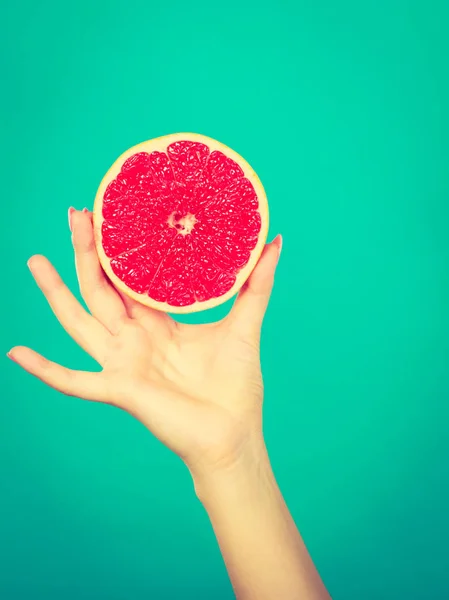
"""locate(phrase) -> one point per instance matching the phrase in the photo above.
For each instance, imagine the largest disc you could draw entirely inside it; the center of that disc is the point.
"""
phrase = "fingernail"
(278, 240)
(71, 211)
(29, 263)
(11, 357)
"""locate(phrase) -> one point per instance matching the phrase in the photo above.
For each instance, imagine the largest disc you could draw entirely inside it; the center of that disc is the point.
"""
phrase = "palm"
(205, 377)
(193, 386)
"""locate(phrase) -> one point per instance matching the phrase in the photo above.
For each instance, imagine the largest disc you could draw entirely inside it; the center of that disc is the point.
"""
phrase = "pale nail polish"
(11, 357)
(71, 211)
(278, 241)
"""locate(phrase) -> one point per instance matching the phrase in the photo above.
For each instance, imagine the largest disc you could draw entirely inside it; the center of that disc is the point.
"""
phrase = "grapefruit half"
(180, 222)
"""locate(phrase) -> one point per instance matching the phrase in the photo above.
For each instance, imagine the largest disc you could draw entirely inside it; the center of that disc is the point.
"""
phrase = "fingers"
(144, 314)
(107, 304)
(81, 326)
(251, 303)
(90, 386)
(103, 301)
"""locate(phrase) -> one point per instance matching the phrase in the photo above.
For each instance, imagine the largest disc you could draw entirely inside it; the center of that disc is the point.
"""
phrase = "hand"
(198, 388)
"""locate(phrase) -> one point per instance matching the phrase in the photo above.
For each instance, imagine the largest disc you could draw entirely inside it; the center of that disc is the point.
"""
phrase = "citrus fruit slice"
(180, 222)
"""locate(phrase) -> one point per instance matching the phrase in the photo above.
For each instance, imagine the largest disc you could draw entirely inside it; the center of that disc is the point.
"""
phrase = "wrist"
(245, 471)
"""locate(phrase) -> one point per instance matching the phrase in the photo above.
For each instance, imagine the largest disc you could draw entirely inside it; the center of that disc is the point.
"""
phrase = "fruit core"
(184, 224)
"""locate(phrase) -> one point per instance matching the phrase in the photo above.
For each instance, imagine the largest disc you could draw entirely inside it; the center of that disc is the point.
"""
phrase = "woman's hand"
(198, 388)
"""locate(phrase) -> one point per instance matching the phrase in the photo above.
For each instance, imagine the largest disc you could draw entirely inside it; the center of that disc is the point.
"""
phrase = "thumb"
(251, 304)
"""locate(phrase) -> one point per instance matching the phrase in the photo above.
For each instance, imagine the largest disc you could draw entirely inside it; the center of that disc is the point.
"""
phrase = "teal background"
(342, 109)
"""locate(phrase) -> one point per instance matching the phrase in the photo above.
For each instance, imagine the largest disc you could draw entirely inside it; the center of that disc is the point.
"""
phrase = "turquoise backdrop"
(342, 109)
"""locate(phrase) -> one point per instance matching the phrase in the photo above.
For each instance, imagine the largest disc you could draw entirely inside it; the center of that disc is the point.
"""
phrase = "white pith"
(186, 223)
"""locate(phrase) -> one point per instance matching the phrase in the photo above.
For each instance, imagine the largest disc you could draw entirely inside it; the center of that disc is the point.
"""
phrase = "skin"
(199, 390)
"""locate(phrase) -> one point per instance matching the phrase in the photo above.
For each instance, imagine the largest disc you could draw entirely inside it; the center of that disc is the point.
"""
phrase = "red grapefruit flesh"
(180, 222)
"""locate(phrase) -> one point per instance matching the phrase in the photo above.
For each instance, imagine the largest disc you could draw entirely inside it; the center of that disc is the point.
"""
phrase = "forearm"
(262, 548)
